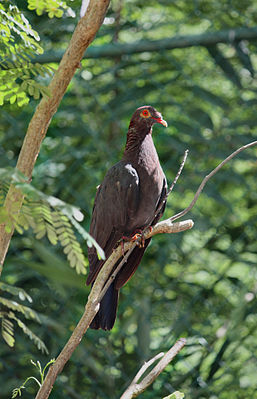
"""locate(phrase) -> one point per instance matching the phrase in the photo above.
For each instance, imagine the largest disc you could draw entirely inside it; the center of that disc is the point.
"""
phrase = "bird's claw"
(138, 237)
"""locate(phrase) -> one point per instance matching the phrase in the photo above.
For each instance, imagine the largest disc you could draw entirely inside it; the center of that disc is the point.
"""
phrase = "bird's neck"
(138, 143)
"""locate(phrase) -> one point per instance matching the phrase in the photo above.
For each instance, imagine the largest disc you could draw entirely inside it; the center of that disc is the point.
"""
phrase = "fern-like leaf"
(8, 310)
(7, 330)
(48, 216)
(67, 239)
(17, 307)
(21, 293)
(37, 341)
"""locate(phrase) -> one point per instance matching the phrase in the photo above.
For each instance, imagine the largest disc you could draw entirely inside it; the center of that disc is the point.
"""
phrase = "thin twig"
(173, 183)
(136, 388)
(102, 282)
(179, 173)
(96, 294)
(162, 227)
(166, 226)
(145, 366)
(207, 177)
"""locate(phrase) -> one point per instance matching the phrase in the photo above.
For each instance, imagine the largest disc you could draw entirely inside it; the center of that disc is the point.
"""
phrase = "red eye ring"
(145, 113)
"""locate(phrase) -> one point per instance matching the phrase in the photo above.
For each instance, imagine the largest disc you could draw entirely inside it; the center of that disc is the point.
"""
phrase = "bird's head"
(145, 117)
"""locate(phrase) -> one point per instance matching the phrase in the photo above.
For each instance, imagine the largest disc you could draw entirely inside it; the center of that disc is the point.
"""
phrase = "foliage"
(19, 44)
(200, 284)
(8, 310)
(54, 8)
(18, 391)
(175, 395)
(47, 216)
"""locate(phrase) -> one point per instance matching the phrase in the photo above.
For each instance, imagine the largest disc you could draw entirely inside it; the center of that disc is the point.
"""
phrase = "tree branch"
(117, 50)
(173, 183)
(81, 38)
(162, 227)
(146, 366)
(105, 278)
(179, 173)
(135, 388)
(207, 177)
(102, 281)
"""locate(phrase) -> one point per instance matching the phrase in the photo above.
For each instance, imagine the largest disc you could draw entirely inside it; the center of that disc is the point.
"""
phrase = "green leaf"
(175, 395)
(13, 99)
(8, 228)
(40, 233)
(51, 235)
(36, 93)
(21, 293)
(7, 331)
(17, 307)
(90, 240)
(37, 341)
(31, 90)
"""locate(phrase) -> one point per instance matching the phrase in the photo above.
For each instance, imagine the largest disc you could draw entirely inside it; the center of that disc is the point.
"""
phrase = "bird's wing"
(116, 201)
(134, 259)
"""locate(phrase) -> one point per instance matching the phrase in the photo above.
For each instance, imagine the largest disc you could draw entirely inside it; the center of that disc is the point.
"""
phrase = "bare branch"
(115, 272)
(179, 172)
(207, 177)
(119, 49)
(173, 183)
(99, 288)
(162, 227)
(146, 366)
(136, 388)
(101, 284)
(90, 311)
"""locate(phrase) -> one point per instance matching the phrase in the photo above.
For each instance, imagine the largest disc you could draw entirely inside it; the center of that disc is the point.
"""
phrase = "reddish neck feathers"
(135, 138)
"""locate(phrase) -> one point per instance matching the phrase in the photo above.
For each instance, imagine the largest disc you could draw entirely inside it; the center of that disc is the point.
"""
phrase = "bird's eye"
(145, 113)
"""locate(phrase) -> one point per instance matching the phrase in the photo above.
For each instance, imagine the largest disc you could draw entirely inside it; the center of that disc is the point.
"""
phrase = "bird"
(131, 197)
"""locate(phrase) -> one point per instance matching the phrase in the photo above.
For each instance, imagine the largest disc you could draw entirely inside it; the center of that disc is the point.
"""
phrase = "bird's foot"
(137, 236)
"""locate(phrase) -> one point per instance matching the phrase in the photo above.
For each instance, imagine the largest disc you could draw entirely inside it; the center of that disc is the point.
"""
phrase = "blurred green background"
(200, 284)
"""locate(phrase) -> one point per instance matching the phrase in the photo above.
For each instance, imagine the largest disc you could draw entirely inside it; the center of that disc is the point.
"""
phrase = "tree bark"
(83, 35)
(136, 388)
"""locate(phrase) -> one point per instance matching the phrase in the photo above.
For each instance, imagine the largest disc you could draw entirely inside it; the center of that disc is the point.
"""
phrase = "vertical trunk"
(81, 38)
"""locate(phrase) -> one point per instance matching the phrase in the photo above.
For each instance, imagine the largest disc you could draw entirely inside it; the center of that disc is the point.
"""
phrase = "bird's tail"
(106, 315)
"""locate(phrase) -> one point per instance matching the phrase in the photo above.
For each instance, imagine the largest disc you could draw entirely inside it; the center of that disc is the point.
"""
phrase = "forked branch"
(102, 282)
(207, 177)
(135, 388)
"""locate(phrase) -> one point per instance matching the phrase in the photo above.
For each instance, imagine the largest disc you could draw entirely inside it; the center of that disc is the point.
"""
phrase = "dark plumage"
(127, 201)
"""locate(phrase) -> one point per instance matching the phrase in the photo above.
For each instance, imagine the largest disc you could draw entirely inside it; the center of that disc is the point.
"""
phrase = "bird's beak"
(161, 121)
